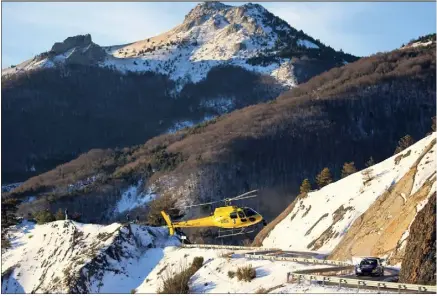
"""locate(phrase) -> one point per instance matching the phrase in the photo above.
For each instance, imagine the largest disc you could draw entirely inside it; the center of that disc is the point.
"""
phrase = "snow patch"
(307, 44)
(133, 198)
(188, 123)
(220, 105)
(425, 169)
(181, 125)
(10, 187)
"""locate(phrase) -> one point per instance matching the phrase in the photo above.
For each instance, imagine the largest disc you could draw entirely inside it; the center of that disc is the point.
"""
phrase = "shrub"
(246, 273)
(177, 283)
(43, 217)
(367, 175)
(261, 291)
(197, 263)
(5, 244)
(231, 274)
(133, 291)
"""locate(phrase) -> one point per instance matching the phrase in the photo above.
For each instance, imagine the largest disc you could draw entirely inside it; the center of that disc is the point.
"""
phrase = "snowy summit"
(212, 34)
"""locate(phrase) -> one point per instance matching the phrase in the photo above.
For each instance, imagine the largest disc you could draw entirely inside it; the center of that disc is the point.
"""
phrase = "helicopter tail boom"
(169, 223)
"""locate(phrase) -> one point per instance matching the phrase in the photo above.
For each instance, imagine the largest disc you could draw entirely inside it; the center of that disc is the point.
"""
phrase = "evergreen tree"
(348, 169)
(306, 186)
(59, 215)
(370, 162)
(405, 142)
(8, 212)
(43, 217)
(324, 178)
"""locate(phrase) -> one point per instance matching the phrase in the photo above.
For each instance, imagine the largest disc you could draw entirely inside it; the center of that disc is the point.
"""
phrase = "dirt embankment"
(381, 229)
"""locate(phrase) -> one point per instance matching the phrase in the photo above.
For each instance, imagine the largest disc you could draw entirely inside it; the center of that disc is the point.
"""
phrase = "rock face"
(71, 42)
(78, 50)
(419, 265)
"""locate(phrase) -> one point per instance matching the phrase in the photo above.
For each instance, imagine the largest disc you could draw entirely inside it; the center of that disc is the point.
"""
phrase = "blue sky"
(360, 28)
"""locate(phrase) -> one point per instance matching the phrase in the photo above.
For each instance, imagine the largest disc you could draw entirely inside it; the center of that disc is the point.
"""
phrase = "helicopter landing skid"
(234, 232)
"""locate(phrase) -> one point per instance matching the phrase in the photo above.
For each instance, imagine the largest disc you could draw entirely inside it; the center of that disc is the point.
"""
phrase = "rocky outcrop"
(419, 265)
(70, 42)
(81, 50)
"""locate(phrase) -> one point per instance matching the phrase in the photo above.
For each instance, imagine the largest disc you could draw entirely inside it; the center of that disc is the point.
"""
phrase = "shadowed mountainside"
(346, 114)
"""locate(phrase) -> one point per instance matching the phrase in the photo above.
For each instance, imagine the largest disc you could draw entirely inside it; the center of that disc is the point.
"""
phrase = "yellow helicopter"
(231, 220)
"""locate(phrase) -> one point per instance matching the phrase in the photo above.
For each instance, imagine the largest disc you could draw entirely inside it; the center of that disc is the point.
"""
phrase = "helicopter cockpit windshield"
(249, 212)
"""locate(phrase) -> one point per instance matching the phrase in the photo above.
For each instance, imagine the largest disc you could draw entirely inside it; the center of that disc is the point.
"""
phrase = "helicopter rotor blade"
(243, 195)
(246, 195)
(196, 205)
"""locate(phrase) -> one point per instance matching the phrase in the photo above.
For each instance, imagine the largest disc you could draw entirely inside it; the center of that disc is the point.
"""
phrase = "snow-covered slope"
(321, 220)
(212, 34)
(70, 257)
(213, 277)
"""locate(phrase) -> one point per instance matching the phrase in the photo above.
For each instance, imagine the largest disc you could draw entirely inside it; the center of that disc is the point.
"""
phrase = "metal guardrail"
(298, 259)
(314, 274)
(299, 276)
(202, 246)
(336, 270)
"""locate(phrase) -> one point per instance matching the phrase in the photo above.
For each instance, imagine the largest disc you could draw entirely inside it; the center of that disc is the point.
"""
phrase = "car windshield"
(372, 262)
(249, 212)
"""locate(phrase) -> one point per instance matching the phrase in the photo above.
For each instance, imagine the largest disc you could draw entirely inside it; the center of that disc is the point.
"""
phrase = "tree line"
(325, 177)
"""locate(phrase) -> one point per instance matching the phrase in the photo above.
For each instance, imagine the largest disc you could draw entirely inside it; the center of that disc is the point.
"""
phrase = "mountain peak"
(206, 8)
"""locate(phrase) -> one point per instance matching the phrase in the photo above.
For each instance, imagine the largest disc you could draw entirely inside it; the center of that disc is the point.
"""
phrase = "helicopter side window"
(242, 217)
(233, 215)
(249, 212)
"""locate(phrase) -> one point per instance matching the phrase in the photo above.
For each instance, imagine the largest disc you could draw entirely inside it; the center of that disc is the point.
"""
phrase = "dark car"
(369, 266)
